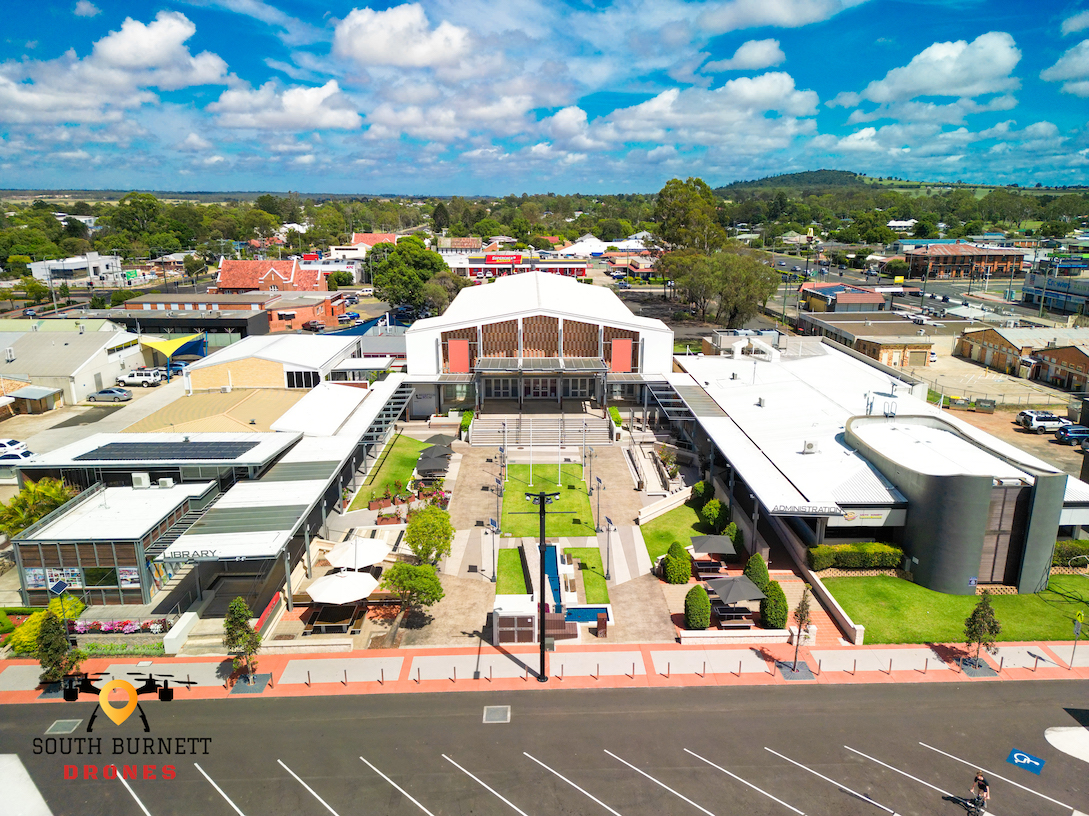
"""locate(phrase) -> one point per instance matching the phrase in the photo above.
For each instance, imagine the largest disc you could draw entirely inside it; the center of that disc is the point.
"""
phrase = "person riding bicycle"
(981, 789)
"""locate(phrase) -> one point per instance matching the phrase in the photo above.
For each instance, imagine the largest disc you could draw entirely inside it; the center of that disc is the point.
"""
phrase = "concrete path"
(735, 661)
(878, 660)
(334, 670)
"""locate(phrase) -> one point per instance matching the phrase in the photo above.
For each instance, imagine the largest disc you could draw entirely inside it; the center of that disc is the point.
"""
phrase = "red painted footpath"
(625, 666)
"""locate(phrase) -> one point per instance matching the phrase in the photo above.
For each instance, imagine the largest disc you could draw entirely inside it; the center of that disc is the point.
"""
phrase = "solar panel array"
(167, 451)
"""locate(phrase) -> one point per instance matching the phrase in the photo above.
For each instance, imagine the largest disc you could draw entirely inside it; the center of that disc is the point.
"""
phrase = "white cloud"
(85, 8)
(400, 36)
(1072, 69)
(212, 161)
(194, 142)
(1079, 22)
(570, 127)
(750, 56)
(738, 14)
(306, 159)
(267, 108)
(958, 68)
(292, 31)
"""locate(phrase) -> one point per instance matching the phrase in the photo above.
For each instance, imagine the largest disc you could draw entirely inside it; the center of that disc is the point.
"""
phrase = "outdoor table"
(334, 619)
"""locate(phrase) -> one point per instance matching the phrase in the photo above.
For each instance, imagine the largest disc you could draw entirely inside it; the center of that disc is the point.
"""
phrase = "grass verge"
(398, 462)
(898, 611)
(512, 578)
(592, 572)
(568, 515)
(676, 525)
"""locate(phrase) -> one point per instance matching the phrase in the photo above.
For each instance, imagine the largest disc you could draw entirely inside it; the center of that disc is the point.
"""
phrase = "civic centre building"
(813, 440)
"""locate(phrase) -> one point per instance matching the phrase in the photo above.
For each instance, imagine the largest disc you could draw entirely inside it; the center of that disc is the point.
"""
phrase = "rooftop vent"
(9, 354)
(810, 446)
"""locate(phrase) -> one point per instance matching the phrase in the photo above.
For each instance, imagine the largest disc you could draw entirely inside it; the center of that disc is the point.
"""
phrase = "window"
(459, 392)
(302, 379)
(99, 576)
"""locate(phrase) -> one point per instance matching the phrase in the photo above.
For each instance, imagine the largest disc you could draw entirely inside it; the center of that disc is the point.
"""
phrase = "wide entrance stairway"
(548, 430)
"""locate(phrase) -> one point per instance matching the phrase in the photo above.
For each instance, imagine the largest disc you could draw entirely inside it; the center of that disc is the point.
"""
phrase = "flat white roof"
(119, 513)
(267, 447)
(536, 293)
(303, 350)
(935, 451)
(322, 411)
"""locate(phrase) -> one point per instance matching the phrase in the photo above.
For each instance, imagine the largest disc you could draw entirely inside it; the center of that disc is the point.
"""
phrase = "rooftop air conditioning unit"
(762, 402)
(225, 389)
(810, 446)
(9, 354)
(166, 483)
(141, 481)
(733, 375)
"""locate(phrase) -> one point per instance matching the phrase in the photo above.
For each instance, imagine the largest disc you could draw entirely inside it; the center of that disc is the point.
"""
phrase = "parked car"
(795, 269)
(945, 298)
(143, 377)
(352, 315)
(29, 313)
(11, 445)
(933, 356)
(1023, 417)
(110, 395)
(313, 325)
(14, 457)
(1071, 434)
(623, 285)
(782, 263)
(1046, 424)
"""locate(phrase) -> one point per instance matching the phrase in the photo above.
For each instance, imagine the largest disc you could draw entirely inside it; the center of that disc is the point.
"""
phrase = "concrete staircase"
(540, 430)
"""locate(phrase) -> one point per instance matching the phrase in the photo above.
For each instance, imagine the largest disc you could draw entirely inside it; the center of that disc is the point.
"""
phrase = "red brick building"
(962, 261)
(237, 277)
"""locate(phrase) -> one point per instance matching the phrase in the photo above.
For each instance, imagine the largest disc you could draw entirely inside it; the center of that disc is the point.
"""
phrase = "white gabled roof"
(537, 293)
(294, 349)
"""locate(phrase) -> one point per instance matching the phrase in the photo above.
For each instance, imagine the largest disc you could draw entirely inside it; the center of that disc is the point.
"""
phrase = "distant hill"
(810, 178)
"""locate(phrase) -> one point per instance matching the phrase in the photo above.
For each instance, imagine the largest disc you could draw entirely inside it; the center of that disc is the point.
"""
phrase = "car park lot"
(1067, 458)
(859, 750)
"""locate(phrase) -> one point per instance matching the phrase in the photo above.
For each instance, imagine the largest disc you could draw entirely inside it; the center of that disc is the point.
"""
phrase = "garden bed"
(511, 574)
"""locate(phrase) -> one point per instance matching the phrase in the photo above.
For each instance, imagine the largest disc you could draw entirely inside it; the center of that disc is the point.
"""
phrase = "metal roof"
(167, 451)
(220, 520)
(34, 392)
(550, 364)
(299, 471)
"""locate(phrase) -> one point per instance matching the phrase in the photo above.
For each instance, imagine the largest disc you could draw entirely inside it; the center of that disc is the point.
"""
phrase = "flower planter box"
(390, 520)
(400, 500)
(379, 504)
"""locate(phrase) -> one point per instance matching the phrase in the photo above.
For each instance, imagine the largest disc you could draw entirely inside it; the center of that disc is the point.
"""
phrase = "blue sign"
(1026, 761)
(972, 581)
(58, 587)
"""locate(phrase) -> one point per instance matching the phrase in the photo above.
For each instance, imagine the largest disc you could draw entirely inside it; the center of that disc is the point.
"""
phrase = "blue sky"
(465, 96)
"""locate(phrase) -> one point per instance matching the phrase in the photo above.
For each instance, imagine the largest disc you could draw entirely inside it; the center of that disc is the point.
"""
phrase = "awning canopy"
(735, 590)
(171, 346)
(34, 392)
(705, 545)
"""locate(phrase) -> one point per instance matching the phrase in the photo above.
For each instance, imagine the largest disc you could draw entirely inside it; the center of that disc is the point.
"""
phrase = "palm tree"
(32, 503)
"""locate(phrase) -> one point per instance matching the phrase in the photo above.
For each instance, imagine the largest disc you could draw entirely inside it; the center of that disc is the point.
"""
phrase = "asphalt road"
(628, 752)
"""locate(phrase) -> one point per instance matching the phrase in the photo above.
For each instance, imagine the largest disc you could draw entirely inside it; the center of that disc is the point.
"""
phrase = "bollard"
(308, 678)
(270, 682)
(598, 672)
(345, 677)
(854, 671)
(561, 671)
(890, 667)
(382, 676)
(926, 665)
(188, 682)
(454, 679)
(633, 670)
(739, 668)
(418, 675)
(1001, 663)
(1034, 668)
(960, 664)
(667, 669)
(704, 675)
(490, 674)
(527, 674)
(818, 666)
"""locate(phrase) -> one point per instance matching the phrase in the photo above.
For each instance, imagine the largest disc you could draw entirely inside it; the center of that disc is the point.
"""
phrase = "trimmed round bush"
(701, 493)
(714, 515)
(737, 535)
(677, 550)
(757, 572)
(774, 608)
(697, 608)
(676, 570)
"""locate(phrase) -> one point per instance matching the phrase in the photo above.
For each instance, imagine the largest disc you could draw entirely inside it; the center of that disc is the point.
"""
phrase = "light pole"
(498, 495)
(608, 545)
(584, 451)
(542, 500)
(597, 521)
(503, 451)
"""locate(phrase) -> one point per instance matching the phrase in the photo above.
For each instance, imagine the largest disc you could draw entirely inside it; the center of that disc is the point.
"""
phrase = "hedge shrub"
(774, 608)
(757, 572)
(614, 413)
(677, 570)
(736, 535)
(697, 608)
(860, 555)
(677, 550)
(466, 419)
(714, 515)
(25, 639)
(702, 492)
(1065, 550)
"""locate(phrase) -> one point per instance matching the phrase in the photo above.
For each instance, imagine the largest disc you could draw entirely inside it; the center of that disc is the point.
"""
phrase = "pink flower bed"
(122, 627)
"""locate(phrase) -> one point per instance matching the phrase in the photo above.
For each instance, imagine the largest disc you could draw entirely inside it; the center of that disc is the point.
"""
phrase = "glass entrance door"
(539, 388)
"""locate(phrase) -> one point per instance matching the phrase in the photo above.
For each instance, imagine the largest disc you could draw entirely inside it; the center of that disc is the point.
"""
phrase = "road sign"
(58, 587)
(608, 521)
(1026, 761)
(495, 526)
(130, 274)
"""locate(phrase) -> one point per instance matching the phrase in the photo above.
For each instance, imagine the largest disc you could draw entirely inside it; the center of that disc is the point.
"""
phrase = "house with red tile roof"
(840, 297)
(236, 277)
(371, 238)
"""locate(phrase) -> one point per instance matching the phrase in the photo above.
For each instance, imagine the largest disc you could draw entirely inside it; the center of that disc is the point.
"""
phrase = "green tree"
(403, 270)
(240, 637)
(54, 654)
(429, 534)
(119, 296)
(258, 223)
(441, 290)
(342, 278)
(18, 264)
(697, 608)
(417, 586)
(194, 265)
(32, 289)
(269, 203)
(982, 628)
(684, 213)
(757, 571)
(440, 217)
(897, 267)
(136, 213)
(715, 515)
(743, 287)
(98, 302)
(35, 500)
(802, 618)
(65, 293)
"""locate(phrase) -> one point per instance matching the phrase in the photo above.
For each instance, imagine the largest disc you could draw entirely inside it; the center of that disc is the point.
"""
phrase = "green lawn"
(398, 461)
(592, 572)
(578, 522)
(512, 578)
(676, 525)
(897, 611)
(694, 346)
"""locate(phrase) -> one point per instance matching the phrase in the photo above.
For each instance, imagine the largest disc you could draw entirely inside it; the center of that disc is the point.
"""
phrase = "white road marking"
(402, 790)
(996, 776)
(219, 789)
(486, 786)
(132, 793)
(909, 776)
(20, 791)
(743, 782)
(861, 796)
(312, 792)
(661, 785)
(572, 784)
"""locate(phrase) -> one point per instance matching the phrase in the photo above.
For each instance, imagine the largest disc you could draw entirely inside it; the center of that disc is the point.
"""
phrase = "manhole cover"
(63, 727)
(496, 714)
(284, 637)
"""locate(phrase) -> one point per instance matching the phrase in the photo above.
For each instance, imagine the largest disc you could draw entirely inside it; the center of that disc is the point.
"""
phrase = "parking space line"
(909, 776)
(743, 782)
(486, 786)
(996, 776)
(312, 791)
(219, 789)
(402, 790)
(660, 784)
(132, 793)
(572, 784)
(839, 785)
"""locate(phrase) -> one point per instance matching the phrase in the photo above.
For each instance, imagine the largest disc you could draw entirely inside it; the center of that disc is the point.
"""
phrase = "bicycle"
(975, 806)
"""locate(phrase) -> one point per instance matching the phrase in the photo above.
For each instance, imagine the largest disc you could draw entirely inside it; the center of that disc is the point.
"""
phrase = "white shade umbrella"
(356, 553)
(342, 587)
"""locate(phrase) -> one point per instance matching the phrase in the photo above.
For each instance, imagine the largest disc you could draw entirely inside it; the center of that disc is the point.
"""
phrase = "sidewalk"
(407, 671)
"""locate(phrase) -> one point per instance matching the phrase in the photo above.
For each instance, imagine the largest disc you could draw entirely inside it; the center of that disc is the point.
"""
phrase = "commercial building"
(458, 246)
(481, 268)
(840, 297)
(238, 277)
(273, 361)
(79, 266)
(827, 446)
(220, 327)
(534, 336)
(1059, 294)
(961, 260)
(1017, 351)
(893, 338)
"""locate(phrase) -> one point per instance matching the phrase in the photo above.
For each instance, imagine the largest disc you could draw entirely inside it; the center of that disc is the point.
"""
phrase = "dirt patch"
(1043, 446)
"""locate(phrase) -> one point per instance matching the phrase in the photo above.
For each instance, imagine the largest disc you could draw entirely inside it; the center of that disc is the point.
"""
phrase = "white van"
(144, 377)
